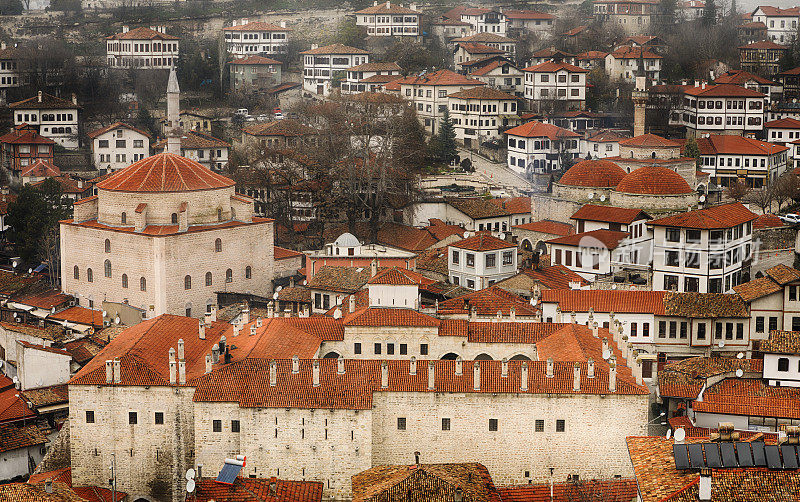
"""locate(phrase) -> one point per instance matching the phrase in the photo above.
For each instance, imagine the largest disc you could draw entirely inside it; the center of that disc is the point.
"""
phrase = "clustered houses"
(781, 24)
(762, 57)
(479, 261)
(321, 65)
(728, 159)
(627, 62)
(50, 116)
(246, 38)
(484, 20)
(118, 145)
(782, 131)
(633, 16)
(206, 150)
(428, 93)
(507, 45)
(556, 85)
(719, 109)
(501, 75)
(22, 148)
(145, 48)
(370, 77)
(479, 113)
(387, 20)
(540, 148)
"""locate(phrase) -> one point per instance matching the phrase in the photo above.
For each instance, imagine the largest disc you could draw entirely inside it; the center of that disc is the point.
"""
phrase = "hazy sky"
(750, 5)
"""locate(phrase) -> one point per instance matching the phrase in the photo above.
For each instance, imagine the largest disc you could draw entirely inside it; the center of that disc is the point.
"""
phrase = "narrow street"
(495, 173)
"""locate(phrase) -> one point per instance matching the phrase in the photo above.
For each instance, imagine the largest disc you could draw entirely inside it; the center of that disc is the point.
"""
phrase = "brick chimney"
(576, 381)
(476, 376)
(273, 373)
(523, 379)
(109, 371)
(314, 373)
(412, 366)
(245, 315)
(384, 375)
(431, 375)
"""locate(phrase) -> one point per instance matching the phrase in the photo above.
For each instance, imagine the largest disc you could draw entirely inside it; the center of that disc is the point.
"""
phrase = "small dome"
(347, 240)
(654, 180)
(593, 173)
(165, 172)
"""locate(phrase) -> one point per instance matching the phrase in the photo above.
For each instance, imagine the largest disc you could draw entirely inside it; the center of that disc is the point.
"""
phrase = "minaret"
(173, 114)
(639, 97)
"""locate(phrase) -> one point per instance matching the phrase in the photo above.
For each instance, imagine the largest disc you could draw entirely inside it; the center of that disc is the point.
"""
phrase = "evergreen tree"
(446, 139)
(409, 149)
(692, 150)
(710, 13)
(734, 8)
(36, 212)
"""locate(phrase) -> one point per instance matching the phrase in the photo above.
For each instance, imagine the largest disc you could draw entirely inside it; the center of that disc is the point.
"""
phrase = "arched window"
(187, 282)
(248, 272)
(209, 279)
(107, 268)
(89, 276)
(218, 245)
(125, 281)
(124, 217)
(188, 310)
(219, 214)
(76, 273)
(143, 284)
(229, 275)
(108, 246)
(174, 218)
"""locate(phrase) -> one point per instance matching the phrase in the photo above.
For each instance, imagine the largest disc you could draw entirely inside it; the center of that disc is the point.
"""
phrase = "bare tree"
(762, 198)
(737, 190)
(787, 188)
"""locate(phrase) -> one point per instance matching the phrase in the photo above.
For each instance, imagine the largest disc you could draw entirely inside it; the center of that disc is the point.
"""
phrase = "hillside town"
(310, 251)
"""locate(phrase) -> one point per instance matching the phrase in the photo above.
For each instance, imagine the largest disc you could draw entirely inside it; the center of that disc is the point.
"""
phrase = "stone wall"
(202, 206)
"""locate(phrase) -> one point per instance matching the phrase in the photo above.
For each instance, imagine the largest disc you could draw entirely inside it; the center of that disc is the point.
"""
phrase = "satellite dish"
(190, 485)
(15, 379)
(606, 353)
(30, 270)
(740, 373)
(190, 474)
(116, 320)
(275, 296)
(602, 198)
(680, 435)
(740, 355)
(591, 196)
(669, 433)
(105, 313)
(721, 344)
(305, 282)
(278, 288)
(503, 236)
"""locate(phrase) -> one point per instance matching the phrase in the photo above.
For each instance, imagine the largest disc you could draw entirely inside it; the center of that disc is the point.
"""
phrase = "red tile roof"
(428, 482)
(45, 300)
(781, 342)
(441, 77)
(89, 493)
(256, 490)
(575, 31)
(483, 241)
(739, 77)
(381, 316)
(499, 332)
(535, 129)
(654, 180)
(381, 8)
(14, 436)
(485, 38)
(285, 127)
(610, 214)
(336, 49)
(771, 11)
(142, 33)
(13, 407)
(737, 145)
(722, 90)
(482, 93)
(257, 26)
(43, 348)
(42, 168)
(763, 44)
(686, 378)
(593, 173)
(783, 274)
(283, 253)
(116, 125)
(514, 205)
(25, 137)
(547, 227)
(750, 397)
(610, 239)
(632, 52)
(165, 172)
(555, 277)
(487, 302)
(475, 48)
(397, 276)
(722, 216)
(589, 55)
(79, 315)
(649, 141)
(553, 66)
(605, 490)
(619, 301)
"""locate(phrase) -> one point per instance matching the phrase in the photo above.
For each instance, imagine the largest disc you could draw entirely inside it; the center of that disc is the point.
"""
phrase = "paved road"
(496, 173)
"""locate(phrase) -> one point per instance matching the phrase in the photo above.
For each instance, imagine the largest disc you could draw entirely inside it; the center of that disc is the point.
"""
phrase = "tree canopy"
(34, 214)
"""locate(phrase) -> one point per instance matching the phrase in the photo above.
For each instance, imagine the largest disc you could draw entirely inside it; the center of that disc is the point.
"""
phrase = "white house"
(322, 64)
(370, 77)
(479, 113)
(528, 21)
(539, 148)
(9, 70)
(387, 20)
(705, 250)
(428, 93)
(555, 82)
(502, 75)
(728, 158)
(500, 42)
(484, 20)
(781, 23)
(782, 131)
(773, 301)
(628, 62)
(248, 38)
(118, 145)
(202, 148)
(146, 48)
(592, 253)
(479, 261)
(54, 118)
(719, 109)
(602, 144)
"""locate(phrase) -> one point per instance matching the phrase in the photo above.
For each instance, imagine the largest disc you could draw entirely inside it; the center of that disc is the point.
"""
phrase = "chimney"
(236, 330)
(283, 24)
(373, 267)
(612, 374)
(697, 83)
(271, 310)
(117, 371)
(388, 4)
(245, 315)
(476, 376)
(2, 46)
(412, 366)
(595, 329)
(74, 99)
(258, 322)
(201, 331)
(523, 379)
(109, 371)
(431, 375)
(273, 373)
(295, 365)
(314, 372)
(375, 4)
(48, 486)
(314, 46)
(576, 381)
(222, 343)
(340, 366)
(40, 96)
(504, 370)
(181, 351)
(550, 366)
(125, 29)
(352, 303)
(637, 368)
(499, 315)
(605, 347)
(215, 354)
(207, 319)
(473, 314)
(459, 363)
(172, 366)
(512, 315)
(208, 363)
(704, 488)
(273, 487)
(252, 330)
(557, 318)
(572, 317)
(213, 314)
(181, 371)
(384, 375)
(590, 368)
(535, 353)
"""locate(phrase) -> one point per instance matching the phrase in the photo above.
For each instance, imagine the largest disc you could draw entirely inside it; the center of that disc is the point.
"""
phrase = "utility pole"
(113, 480)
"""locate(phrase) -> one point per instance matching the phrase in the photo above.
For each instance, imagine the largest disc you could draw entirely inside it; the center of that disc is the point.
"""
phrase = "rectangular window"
(455, 256)
(470, 260)
(89, 416)
(662, 329)
(159, 418)
(403, 349)
(729, 331)
(739, 331)
(760, 324)
(508, 257)
(684, 329)
(718, 331)
(401, 423)
(673, 329)
(645, 329)
(377, 348)
(423, 349)
(673, 234)
(792, 293)
(216, 426)
(492, 425)
(539, 425)
(357, 348)
(120, 143)
(491, 260)
(445, 424)
(133, 418)
(235, 426)
(634, 329)
(671, 258)
(390, 349)
(773, 323)
(701, 331)
(560, 425)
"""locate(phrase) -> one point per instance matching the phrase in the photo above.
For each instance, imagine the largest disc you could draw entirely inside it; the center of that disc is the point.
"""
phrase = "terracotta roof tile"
(547, 227)
(257, 26)
(763, 44)
(324, 327)
(553, 67)
(737, 145)
(751, 484)
(428, 482)
(537, 129)
(381, 316)
(283, 253)
(593, 173)
(757, 288)
(36, 346)
(45, 300)
(376, 66)
(605, 490)
(705, 305)
(478, 207)
(750, 397)
(499, 332)
(555, 277)
(650, 141)
(441, 77)
(722, 216)
(89, 493)
(48, 396)
(42, 168)
(783, 274)
(335, 49)
(654, 466)
(610, 214)
(654, 180)
(606, 136)
(722, 90)
(514, 205)
(767, 221)
(527, 14)
(685, 379)
(482, 93)
(631, 52)
(256, 490)
(51, 333)
(12, 406)
(165, 172)
(142, 33)
(397, 276)
(79, 315)
(618, 301)
(48, 102)
(255, 60)
(781, 342)
(485, 38)
(25, 137)
(193, 140)
(340, 279)
(14, 436)
(610, 239)
(575, 31)
(24, 492)
(483, 241)
(487, 302)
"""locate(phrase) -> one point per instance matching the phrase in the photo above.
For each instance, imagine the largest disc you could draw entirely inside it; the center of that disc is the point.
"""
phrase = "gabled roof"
(771, 11)
(547, 227)
(25, 137)
(382, 8)
(335, 49)
(13, 407)
(763, 44)
(781, 342)
(719, 144)
(142, 33)
(165, 172)
(739, 77)
(618, 301)
(42, 168)
(705, 305)
(392, 66)
(535, 129)
(484, 38)
(606, 490)
(397, 276)
(478, 207)
(194, 140)
(686, 378)
(715, 217)
(549, 52)
(609, 214)
(482, 93)
(283, 253)
(48, 102)
(514, 205)
(255, 60)
(553, 67)
(721, 91)
(750, 397)
(256, 490)
(648, 140)
(383, 316)
(483, 241)
(554, 276)
(784, 123)
(476, 48)
(114, 126)
(610, 239)
(491, 65)
(487, 302)
(88, 493)
(757, 288)
(575, 31)
(340, 279)
(429, 482)
(285, 127)
(256, 26)
(783, 274)
(589, 55)
(632, 52)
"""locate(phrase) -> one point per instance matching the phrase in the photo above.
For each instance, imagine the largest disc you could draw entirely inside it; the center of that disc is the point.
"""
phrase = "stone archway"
(450, 356)
(527, 245)
(331, 355)
(520, 357)
(484, 357)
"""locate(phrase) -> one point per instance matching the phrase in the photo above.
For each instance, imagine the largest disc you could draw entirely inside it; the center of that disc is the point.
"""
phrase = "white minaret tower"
(173, 114)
